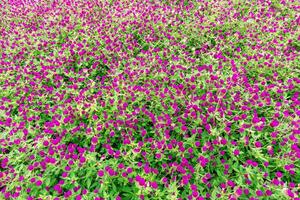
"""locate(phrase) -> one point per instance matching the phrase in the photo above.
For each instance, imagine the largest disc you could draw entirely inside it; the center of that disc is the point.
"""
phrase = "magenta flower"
(274, 123)
(258, 144)
(269, 193)
(101, 173)
(38, 183)
(154, 185)
(279, 174)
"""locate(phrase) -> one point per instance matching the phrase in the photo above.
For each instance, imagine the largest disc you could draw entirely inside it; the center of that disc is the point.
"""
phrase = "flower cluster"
(149, 99)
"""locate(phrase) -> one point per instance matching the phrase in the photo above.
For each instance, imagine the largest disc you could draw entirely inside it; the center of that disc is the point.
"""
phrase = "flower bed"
(149, 100)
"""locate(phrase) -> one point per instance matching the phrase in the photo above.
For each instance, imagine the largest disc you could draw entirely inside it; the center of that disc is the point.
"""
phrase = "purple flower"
(258, 144)
(279, 174)
(274, 123)
(269, 193)
(154, 185)
(259, 193)
(100, 173)
(38, 183)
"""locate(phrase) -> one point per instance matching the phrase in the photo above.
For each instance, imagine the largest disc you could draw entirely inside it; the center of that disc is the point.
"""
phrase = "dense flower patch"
(149, 99)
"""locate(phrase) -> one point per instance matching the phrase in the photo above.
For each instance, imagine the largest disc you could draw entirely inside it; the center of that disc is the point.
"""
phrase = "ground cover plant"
(148, 99)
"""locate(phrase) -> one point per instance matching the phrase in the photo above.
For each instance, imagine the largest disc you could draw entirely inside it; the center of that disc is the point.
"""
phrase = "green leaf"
(89, 182)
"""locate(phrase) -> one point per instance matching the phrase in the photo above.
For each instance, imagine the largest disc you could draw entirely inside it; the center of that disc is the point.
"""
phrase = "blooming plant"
(149, 99)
